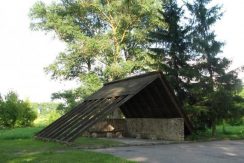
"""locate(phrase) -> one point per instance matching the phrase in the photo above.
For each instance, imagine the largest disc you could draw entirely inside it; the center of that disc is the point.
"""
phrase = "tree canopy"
(107, 36)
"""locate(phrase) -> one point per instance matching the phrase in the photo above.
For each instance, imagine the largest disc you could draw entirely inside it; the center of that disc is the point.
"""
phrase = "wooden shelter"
(144, 96)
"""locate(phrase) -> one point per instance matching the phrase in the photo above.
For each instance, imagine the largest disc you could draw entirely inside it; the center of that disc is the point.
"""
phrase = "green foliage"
(236, 121)
(105, 39)
(15, 112)
(230, 133)
(26, 115)
(170, 45)
(47, 112)
(9, 110)
(44, 108)
(242, 93)
(221, 105)
(100, 35)
(90, 83)
(238, 114)
(214, 87)
(198, 116)
(69, 97)
(52, 116)
(46, 119)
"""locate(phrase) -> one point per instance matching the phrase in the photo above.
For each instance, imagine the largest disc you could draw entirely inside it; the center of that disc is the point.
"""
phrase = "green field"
(18, 145)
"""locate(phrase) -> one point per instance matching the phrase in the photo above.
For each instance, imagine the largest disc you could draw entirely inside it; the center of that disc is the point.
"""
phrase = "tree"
(107, 32)
(104, 38)
(237, 117)
(71, 98)
(15, 112)
(171, 48)
(212, 78)
(43, 108)
(26, 114)
(79, 28)
(9, 111)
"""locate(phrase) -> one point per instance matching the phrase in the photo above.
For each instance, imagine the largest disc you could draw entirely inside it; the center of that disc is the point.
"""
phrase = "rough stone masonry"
(166, 129)
(148, 128)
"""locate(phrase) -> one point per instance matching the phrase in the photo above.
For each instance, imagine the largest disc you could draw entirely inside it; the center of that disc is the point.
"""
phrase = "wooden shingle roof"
(143, 96)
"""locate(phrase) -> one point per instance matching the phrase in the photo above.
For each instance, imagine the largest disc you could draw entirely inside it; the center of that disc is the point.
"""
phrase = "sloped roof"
(144, 96)
(128, 86)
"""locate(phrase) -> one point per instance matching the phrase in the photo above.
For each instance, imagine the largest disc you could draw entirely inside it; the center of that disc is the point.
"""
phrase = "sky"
(24, 53)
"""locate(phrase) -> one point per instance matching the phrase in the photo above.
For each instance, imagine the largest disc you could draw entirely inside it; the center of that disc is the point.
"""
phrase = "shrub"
(52, 116)
(15, 112)
(26, 115)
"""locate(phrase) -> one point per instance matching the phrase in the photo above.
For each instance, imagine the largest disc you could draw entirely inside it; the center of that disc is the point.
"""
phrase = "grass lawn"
(18, 145)
(231, 133)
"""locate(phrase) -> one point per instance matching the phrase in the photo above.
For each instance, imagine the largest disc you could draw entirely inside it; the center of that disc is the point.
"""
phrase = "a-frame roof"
(143, 96)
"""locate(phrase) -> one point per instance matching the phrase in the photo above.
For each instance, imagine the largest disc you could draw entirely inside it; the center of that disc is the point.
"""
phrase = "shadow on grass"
(18, 145)
(65, 157)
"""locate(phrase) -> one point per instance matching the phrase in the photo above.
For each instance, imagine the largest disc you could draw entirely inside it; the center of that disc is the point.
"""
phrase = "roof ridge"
(133, 77)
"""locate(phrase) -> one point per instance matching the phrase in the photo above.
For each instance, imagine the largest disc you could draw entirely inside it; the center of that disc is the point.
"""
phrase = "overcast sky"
(24, 53)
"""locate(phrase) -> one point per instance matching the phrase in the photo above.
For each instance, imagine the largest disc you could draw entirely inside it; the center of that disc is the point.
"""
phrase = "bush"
(236, 121)
(15, 112)
(52, 116)
(26, 115)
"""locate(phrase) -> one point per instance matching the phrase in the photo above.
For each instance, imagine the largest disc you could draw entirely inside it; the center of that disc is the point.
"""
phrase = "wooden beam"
(60, 120)
(83, 119)
(105, 111)
(68, 126)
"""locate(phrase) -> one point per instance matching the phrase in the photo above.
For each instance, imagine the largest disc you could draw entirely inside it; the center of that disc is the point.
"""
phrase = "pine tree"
(170, 46)
(213, 79)
(204, 42)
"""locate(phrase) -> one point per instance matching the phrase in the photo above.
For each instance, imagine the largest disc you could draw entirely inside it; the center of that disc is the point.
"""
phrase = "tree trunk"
(214, 128)
(223, 126)
(88, 65)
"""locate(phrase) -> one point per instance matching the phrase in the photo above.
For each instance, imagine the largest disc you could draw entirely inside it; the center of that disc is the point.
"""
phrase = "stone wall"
(167, 129)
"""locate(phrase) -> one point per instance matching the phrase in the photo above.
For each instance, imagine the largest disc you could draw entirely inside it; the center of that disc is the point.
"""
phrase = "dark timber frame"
(143, 96)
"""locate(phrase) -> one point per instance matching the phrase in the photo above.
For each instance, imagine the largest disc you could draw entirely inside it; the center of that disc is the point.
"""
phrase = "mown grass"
(18, 133)
(18, 145)
(231, 133)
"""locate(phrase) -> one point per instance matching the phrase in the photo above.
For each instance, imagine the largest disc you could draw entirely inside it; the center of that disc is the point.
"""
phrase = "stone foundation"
(166, 129)
(149, 128)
